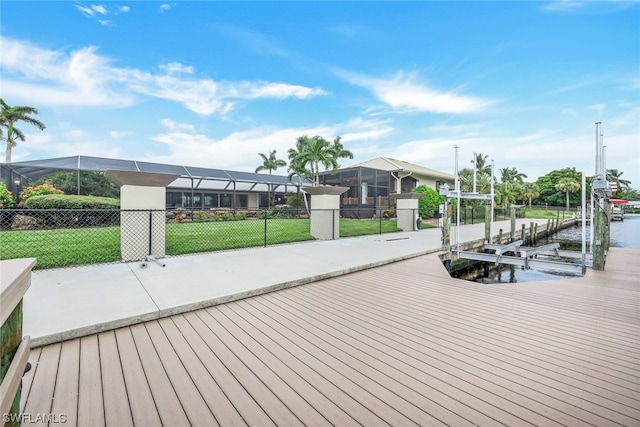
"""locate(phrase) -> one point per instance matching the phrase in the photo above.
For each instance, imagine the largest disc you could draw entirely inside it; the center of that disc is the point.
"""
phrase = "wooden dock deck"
(402, 344)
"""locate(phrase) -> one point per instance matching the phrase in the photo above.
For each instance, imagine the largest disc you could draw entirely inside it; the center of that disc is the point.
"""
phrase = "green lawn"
(548, 214)
(77, 246)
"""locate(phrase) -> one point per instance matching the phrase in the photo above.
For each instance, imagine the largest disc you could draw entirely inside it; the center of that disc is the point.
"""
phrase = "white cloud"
(171, 125)
(83, 77)
(403, 92)
(564, 5)
(254, 90)
(239, 150)
(99, 9)
(87, 11)
(164, 7)
(176, 68)
(75, 142)
(117, 134)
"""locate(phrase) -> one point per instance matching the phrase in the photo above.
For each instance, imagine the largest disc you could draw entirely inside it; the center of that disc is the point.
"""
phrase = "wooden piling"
(532, 236)
(512, 231)
(487, 223)
(601, 226)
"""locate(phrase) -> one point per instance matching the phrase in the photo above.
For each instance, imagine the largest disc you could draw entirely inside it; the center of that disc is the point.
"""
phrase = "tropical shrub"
(55, 210)
(429, 202)
(38, 190)
(6, 198)
(58, 201)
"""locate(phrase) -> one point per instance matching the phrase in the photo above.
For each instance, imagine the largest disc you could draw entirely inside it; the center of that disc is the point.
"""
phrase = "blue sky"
(214, 83)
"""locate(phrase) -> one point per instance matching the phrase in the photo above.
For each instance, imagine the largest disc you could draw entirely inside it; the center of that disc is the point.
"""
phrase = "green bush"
(73, 211)
(59, 201)
(429, 202)
(6, 198)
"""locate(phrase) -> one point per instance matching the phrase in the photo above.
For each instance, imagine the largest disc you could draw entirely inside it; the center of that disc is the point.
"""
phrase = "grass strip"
(79, 246)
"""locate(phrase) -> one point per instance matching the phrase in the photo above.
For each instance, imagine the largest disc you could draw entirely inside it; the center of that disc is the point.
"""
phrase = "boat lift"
(525, 257)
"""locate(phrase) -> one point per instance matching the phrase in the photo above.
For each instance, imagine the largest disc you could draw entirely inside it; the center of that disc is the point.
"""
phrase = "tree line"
(557, 188)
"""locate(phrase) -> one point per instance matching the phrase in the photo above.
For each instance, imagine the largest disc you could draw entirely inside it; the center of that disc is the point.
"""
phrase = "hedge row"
(55, 201)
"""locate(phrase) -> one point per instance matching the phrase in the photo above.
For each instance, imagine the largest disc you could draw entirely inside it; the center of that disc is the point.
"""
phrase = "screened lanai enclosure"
(196, 187)
(374, 184)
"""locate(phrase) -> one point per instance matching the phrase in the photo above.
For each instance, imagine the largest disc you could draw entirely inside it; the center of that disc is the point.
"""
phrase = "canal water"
(624, 234)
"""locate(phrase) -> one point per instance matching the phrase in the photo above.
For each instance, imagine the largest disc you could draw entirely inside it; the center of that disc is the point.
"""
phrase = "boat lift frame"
(528, 255)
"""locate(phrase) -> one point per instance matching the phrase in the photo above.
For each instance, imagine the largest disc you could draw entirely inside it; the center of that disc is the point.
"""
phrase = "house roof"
(394, 165)
(35, 169)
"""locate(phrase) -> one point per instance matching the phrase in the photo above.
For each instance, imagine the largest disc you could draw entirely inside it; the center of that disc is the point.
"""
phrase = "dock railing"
(15, 279)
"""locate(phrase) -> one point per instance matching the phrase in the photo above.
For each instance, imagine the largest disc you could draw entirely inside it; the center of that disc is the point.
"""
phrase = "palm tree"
(511, 175)
(338, 151)
(614, 176)
(503, 196)
(9, 116)
(567, 185)
(299, 170)
(270, 164)
(310, 153)
(481, 165)
(530, 191)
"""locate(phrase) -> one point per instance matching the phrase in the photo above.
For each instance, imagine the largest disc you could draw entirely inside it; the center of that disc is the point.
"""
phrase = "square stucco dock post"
(325, 211)
(407, 210)
(142, 205)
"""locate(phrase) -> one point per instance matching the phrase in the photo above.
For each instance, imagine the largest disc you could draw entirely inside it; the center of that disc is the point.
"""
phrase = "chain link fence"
(70, 237)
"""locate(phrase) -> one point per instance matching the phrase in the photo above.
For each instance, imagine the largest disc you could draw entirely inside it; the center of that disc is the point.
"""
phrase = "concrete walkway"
(67, 303)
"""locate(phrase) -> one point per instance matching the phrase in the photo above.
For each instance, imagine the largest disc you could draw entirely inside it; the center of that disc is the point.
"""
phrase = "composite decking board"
(90, 396)
(169, 406)
(117, 411)
(288, 337)
(340, 389)
(471, 406)
(27, 379)
(241, 399)
(44, 380)
(289, 386)
(407, 400)
(464, 324)
(278, 412)
(507, 327)
(513, 398)
(437, 349)
(433, 349)
(143, 408)
(220, 406)
(444, 328)
(196, 409)
(520, 290)
(65, 395)
(500, 310)
(624, 358)
(523, 289)
(332, 404)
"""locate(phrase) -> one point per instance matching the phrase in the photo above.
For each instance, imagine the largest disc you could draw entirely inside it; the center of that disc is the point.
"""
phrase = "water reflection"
(624, 234)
